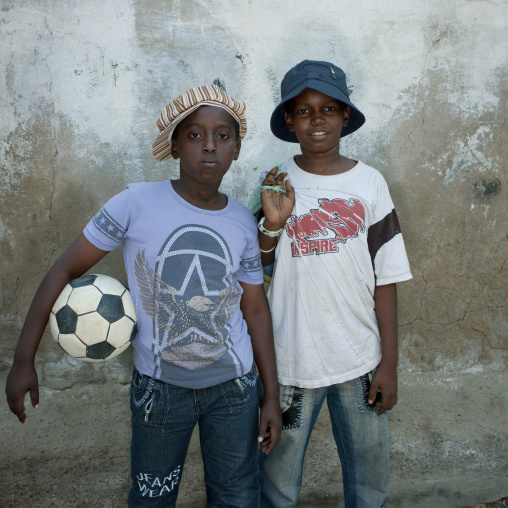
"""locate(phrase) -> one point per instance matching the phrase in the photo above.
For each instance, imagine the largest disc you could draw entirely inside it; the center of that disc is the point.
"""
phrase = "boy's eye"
(194, 135)
(302, 111)
(330, 108)
(223, 135)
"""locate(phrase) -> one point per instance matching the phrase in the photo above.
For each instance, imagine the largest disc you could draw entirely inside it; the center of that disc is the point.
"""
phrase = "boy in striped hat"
(193, 264)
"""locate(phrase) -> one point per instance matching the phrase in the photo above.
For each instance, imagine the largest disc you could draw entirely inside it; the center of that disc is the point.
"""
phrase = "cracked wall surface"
(81, 85)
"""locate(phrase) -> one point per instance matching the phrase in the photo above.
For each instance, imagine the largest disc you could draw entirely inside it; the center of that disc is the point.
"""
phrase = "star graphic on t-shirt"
(193, 323)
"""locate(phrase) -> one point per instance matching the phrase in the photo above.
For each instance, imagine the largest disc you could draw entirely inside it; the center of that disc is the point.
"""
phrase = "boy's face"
(206, 145)
(317, 120)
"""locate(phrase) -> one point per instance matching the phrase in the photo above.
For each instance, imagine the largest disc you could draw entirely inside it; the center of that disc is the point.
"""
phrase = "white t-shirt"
(341, 240)
(184, 265)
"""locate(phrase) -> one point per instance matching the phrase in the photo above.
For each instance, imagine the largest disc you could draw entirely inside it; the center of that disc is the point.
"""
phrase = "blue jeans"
(163, 418)
(360, 434)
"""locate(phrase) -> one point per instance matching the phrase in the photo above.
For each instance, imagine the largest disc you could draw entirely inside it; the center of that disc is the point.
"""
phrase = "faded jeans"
(360, 434)
(163, 418)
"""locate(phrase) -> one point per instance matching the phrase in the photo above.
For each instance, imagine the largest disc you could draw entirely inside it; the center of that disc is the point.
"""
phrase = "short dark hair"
(237, 131)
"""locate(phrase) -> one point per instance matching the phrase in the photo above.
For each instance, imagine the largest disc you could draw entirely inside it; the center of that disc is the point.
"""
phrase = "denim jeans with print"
(163, 418)
(360, 434)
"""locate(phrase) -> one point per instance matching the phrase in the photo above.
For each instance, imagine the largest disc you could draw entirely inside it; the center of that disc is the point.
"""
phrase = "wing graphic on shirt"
(157, 298)
(229, 299)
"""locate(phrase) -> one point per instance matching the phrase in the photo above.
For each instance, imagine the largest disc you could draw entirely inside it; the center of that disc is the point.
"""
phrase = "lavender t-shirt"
(184, 265)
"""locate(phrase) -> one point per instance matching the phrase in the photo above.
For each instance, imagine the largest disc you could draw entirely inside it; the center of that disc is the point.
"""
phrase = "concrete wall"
(81, 85)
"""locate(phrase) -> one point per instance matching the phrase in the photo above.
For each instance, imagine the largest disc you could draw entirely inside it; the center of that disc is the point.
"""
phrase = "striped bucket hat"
(179, 108)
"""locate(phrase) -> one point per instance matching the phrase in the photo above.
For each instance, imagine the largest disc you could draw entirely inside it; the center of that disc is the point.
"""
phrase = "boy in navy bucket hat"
(323, 77)
(331, 231)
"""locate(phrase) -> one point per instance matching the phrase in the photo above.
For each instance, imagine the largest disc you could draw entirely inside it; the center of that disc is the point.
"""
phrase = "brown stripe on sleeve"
(382, 232)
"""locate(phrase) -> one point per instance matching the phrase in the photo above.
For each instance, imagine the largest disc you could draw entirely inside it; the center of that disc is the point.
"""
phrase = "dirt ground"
(448, 440)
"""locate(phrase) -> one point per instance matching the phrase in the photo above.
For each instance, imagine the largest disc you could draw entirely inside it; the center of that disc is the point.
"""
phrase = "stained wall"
(81, 85)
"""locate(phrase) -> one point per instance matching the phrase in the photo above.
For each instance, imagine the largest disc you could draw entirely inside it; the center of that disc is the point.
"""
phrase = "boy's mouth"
(318, 133)
(209, 163)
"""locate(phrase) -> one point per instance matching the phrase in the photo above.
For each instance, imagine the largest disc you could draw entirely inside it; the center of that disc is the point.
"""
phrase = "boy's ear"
(289, 121)
(347, 115)
(236, 153)
(174, 149)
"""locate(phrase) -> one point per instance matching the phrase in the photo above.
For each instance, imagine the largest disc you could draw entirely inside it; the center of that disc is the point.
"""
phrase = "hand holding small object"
(277, 205)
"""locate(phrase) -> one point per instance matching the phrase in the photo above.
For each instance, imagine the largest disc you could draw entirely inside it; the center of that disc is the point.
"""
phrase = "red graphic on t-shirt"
(344, 218)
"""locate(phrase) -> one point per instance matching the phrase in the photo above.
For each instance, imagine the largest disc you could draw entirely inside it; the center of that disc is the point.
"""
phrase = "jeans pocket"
(363, 395)
(249, 379)
(291, 405)
(145, 405)
(286, 393)
(241, 392)
(138, 380)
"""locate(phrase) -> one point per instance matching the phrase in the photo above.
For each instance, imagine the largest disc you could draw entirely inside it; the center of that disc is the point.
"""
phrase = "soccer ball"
(94, 318)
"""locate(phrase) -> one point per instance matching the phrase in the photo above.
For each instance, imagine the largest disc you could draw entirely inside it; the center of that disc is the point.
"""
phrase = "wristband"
(269, 250)
(273, 234)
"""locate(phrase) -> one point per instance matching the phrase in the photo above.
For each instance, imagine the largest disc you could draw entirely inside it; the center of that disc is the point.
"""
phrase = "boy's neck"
(324, 163)
(206, 197)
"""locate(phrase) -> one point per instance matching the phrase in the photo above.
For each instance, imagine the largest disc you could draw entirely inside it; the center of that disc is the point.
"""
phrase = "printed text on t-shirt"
(341, 218)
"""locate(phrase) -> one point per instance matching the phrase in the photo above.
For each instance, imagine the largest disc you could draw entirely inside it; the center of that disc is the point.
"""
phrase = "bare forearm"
(75, 261)
(37, 316)
(259, 322)
(22, 378)
(260, 329)
(267, 243)
(385, 299)
(385, 378)
(256, 313)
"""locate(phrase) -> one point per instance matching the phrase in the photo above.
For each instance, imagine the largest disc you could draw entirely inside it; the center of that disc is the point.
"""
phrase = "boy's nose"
(209, 144)
(317, 118)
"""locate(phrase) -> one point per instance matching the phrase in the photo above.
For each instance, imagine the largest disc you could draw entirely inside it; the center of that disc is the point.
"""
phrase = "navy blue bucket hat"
(323, 77)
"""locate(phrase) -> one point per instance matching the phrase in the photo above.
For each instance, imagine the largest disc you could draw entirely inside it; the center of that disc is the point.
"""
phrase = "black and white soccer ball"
(94, 318)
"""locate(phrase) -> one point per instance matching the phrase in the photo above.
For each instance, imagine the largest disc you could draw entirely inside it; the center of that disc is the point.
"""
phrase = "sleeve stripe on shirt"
(251, 264)
(108, 226)
(382, 232)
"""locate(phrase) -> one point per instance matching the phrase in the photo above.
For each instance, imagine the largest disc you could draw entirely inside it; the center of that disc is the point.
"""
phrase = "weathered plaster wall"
(81, 84)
